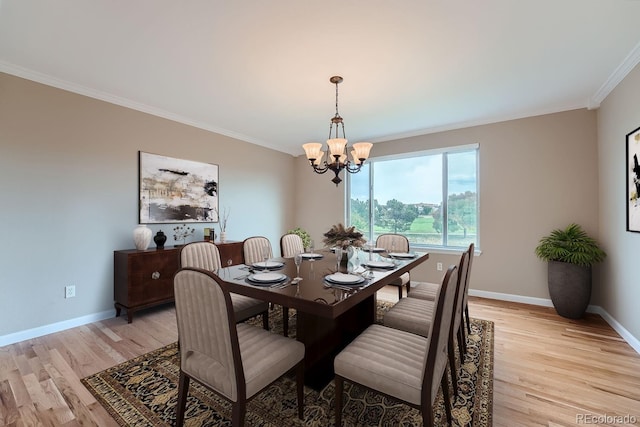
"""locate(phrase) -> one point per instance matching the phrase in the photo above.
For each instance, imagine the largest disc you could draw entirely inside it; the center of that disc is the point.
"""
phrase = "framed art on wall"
(633, 181)
(175, 190)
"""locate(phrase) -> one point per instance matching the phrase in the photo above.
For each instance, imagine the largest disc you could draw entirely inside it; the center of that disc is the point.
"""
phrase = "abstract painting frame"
(633, 181)
(174, 190)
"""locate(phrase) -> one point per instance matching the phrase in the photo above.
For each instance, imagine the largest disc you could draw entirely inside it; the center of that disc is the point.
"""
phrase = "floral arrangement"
(343, 237)
(306, 238)
(222, 218)
(181, 232)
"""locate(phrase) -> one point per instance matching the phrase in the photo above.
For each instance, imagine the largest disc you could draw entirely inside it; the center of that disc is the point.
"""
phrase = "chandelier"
(337, 158)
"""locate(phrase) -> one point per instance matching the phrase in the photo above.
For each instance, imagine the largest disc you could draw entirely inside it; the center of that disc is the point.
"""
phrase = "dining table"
(334, 303)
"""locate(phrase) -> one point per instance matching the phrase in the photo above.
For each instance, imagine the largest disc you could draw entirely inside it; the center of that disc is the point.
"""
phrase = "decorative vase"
(352, 256)
(569, 288)
(223, 236)
(160, 238)
(141, 237)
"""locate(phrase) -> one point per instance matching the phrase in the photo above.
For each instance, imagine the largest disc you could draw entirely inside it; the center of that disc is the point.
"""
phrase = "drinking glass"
(338, 258)
(265, 255)
(298, 260)
(312, 246)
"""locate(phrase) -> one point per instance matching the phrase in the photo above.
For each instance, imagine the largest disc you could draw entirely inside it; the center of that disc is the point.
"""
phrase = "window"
(431, 197)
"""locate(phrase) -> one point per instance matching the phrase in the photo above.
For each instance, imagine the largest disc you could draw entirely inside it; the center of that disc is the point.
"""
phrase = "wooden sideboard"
(143, 279)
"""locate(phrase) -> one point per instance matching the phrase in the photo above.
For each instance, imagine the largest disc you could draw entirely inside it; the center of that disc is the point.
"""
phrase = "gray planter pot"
(569, 288)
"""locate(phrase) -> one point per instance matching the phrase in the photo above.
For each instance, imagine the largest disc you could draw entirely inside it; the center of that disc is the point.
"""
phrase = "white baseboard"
(617, 326)
(54, 327)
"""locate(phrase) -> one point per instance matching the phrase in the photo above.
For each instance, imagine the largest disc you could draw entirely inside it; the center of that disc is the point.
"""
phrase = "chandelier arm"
(353, 169)
(320, 170)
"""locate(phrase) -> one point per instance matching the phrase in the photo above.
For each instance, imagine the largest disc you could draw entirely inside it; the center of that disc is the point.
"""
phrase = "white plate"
(267, 277)
(379, 264)
(373, 249)
(311, 256)
(271, 265)
(345, 279)
(404, 255)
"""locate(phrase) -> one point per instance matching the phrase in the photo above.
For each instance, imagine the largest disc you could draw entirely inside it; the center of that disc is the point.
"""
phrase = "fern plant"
(571, 245)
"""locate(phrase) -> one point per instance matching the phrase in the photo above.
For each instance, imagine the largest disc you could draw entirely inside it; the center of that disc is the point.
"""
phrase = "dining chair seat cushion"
(266, 356)
(385, 359)
(424, 290)
(246, 307)
(411, 315)
(402, 280)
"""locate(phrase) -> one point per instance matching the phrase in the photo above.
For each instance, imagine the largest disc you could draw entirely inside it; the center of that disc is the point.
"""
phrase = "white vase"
(223, 236)
(141, 237)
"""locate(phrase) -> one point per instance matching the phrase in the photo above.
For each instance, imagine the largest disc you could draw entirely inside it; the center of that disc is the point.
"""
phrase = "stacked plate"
(311, 256)
(402, 255)
(375, 250)
(344, 279)
(266, 278)
(269, 265)
(380, 264)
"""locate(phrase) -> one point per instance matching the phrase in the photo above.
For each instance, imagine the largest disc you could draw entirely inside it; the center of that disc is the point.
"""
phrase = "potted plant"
(570, 253)
(306, 238)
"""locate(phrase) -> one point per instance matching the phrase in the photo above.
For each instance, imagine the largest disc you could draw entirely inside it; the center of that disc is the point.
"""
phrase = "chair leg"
(466, 314)
(452, 366)
(427, 417)
(237, 413)
(339, 383)
(265, 320)
(285, 321)
(399, 292)
(462, 343)
(447, 398)
(183, 392)
(300, 386)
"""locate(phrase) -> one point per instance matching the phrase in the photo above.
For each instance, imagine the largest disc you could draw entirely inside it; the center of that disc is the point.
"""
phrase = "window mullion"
(445, 200)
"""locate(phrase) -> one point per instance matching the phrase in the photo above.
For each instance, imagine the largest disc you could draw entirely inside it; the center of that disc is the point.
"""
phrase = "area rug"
(143, 392)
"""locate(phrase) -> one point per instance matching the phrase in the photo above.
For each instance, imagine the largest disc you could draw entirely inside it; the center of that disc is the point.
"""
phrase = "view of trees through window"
(405, 195)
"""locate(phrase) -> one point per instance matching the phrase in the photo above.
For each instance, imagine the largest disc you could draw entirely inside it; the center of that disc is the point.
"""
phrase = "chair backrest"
(290, 245)
(463, 268)
(436, 360)
(252, 248)
(204, 255)
(209, 349)
(393, 242)
(466, 282)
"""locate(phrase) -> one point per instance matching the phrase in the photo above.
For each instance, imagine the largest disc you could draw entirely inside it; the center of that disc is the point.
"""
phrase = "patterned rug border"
(118, 389)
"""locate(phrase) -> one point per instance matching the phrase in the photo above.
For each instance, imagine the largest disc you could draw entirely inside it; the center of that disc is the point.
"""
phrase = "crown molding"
(628, 64)
(48, 80)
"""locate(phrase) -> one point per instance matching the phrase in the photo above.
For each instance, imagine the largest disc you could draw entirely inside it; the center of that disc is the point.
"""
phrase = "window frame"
(445, 184)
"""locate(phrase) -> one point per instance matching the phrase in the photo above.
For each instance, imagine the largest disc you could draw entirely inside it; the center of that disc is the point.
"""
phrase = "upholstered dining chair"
(427, 291)
(234, 360)
(253, 250)
(415, 316)
(400, 364)
(396, 243)
(290, 245)
(205, 255)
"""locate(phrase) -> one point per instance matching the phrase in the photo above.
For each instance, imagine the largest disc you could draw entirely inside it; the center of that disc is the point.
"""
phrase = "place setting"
(270, 279)
(345, 281)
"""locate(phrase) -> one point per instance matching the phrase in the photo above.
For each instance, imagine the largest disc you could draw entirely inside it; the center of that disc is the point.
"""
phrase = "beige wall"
(69, 195)
(536, 174)
(620, 278)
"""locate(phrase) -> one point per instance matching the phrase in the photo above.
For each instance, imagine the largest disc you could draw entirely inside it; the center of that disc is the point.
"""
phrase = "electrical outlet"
(439, 266)
(69, 291)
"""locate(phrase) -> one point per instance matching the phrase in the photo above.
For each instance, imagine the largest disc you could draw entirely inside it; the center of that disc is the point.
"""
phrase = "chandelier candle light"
(337, 157)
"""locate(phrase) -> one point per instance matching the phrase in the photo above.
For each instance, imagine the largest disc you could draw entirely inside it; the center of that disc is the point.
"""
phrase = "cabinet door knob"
(155, 275)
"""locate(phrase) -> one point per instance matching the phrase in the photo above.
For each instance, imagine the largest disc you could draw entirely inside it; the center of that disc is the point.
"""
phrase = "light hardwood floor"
(548, 370)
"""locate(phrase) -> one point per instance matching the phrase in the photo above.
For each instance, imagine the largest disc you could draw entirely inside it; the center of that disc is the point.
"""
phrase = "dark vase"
(569, 288)
(160, 238)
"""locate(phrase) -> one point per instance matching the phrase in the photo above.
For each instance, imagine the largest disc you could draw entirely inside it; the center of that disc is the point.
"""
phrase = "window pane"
(359, 202)
(406, 192)
(462, 201)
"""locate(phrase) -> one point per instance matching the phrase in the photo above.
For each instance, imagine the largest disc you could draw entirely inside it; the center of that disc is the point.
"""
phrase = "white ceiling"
(259, 70)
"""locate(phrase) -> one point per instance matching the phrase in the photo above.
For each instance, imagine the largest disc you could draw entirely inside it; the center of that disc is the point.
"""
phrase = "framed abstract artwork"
(175, 190)
(633, 181)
